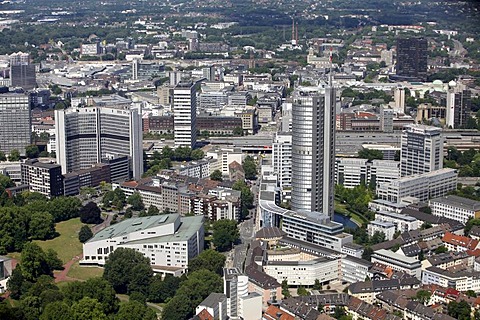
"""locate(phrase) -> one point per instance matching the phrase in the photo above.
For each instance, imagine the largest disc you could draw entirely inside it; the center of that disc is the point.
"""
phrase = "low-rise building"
(169, 241)
(385, 227)
(401, 222)
(455, 242)
(422, 186)
(215, 304)
(398, 262)
(368, 290)
(462, 280)
(455, 207)
(304, 273)
(354, 269)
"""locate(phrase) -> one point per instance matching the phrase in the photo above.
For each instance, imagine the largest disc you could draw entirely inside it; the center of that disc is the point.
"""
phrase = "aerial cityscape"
(214, 160)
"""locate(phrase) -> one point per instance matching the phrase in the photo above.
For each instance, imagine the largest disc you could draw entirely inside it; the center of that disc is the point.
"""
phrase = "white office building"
(385, 227)
(282, 159)
(313, 149)
(401, 222)
(304, 273)
(421, 186)
(398, 262)
(89, 135)
(185, 114)
(169, 241)
(352, 172)
(354, 269)
(455, 208)
(421, 150)
(460, 280)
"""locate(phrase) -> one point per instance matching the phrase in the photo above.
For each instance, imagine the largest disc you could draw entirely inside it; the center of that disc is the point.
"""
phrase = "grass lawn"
(66, 245)
(84, 273)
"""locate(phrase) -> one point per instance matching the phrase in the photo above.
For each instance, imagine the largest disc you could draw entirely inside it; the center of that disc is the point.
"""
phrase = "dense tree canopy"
(90, 213)
(122, 269)
(225, 234)
(250, 168)
(208, 259)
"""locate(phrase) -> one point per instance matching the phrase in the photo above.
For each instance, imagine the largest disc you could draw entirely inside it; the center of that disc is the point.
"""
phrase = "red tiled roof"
(461, 241)
(275, 313)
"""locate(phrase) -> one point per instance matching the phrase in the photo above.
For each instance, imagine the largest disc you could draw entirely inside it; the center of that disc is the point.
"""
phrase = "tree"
(423, 296)
(441, 249)
(85, 234)
(3, 157)
(285, 291)
(57, 310)
(153, 211)
(197, 154)
(34, 262)
(134, 310)
(208, 259)
(88, 308)
(120, 265)
(141, 277)
(32, 151)
(193, 290)
(52, 259)
(246, 196)
(90, 213)
(459, 310)
(31, 307)
(15, 283)
(41, 226)
(370, 154)
(250, 168)
(301, 291)
(317, 285)
(225, 233)
(237, 131)
(135, 200)
(162, 290)
(216, 175)
(14, 155)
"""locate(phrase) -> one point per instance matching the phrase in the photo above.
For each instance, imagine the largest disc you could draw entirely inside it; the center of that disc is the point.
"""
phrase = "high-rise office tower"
(421, 150)
(386, 119)
(399, 100)
(22, 73)
(412, 58)
(86, 136)
(15, 119)
(459, 104)
(313, 149)
(282, 158)
(185, 114)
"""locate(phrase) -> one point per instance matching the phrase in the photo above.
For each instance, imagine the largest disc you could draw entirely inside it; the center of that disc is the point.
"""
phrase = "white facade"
(86, 136)
(185, 114)
(421, 150)
(196, 169)
(387, 228)
(352, 172)
(455, 208)
(225, 157)
(354, 269)
(168, 241)
(423, 186)
(398, 262)
(399, 100)
(401, 222)
(304, 272)
(282, 159)
(313, 149)
(250, 306)
(235, 286)
(461, 281)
